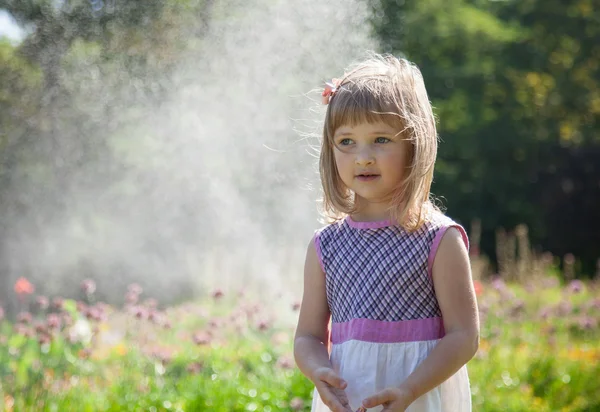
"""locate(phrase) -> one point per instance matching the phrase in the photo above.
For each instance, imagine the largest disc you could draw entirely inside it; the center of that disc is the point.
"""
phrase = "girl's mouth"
(367, 177)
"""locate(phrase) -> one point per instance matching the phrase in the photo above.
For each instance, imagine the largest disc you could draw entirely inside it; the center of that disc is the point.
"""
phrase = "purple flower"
(565, 308)
(498, 284)
(53, 321)
(545, 313)
(575, 286)
(24, 317)
(42, 302)
(587, 323)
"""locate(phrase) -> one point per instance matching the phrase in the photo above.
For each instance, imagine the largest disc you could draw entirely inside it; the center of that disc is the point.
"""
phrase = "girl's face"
(370, 159)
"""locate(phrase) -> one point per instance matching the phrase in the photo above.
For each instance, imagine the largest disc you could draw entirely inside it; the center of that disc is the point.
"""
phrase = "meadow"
(539, 351)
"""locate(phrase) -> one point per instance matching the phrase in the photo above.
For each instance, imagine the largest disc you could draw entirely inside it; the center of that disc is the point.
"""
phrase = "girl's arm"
(310, 350)
(456, 296)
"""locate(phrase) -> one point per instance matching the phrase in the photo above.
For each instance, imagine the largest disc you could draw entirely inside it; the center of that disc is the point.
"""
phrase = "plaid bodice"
(378, 270)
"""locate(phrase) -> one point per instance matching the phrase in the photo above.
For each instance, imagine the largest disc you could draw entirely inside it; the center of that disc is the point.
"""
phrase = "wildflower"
(81, 331)
(478, 287)
(67, 320)
(23, 330)
(575, 286)
(53, 321)
(151, 303)
(44, 339)
(131, 298)
(24, 317)
(564, 308)
(140, 313)
(297, 404)
(587, 323)
(135, 289)
(195, 367)
(217, 294)
(201, 338)
(1, 313)
(42, 302)
(88, 286)
(23, 287)
(498, 284)
(545, 313)
(517, 308)
(40, 327)
(285, 362)
(296, 306)
(81, 307)
(57, 303)
(263, 325)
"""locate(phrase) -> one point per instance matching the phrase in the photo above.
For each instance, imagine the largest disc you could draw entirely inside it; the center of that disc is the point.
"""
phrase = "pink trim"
(377, 331)
(317, 242)
(436, 244)
(368, 225)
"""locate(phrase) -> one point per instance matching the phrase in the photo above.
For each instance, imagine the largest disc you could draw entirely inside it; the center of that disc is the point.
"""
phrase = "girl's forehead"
(366, 128)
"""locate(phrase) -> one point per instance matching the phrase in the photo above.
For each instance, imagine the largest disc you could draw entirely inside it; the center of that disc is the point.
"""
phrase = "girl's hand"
(392, 399)
(331, 389)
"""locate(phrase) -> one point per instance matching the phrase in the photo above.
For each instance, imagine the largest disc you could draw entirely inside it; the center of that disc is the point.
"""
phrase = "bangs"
(353, 105)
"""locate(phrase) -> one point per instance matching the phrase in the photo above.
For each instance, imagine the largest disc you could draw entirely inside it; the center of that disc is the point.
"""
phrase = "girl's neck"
(371, 212)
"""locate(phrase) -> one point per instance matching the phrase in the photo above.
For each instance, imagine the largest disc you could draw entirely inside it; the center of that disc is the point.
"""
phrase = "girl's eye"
(345, 142)
(382, 140)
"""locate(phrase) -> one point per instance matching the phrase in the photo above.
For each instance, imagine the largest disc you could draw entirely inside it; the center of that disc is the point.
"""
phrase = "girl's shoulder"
(435, 219)
(331, 227)
(437, 223)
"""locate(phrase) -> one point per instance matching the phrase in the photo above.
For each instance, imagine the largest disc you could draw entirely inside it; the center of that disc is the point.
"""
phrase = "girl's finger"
(377, 399)
(335, 380)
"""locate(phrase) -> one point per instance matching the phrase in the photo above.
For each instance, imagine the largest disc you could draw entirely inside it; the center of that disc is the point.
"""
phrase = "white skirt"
(370, 367)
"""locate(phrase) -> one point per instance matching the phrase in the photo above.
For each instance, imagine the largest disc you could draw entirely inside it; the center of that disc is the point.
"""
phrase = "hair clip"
(330, 89)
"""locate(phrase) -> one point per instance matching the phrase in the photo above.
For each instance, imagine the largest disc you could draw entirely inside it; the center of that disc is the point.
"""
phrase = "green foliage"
(517, 101)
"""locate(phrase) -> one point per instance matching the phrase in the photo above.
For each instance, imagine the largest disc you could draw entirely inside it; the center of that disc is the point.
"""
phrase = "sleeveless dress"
(385, 318)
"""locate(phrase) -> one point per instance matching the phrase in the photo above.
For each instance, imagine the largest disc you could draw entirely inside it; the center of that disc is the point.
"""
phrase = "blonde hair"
(391, 90)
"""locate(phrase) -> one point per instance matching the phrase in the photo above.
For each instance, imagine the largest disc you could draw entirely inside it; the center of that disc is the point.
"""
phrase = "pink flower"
(201, 338)
(263, 325)
(135, 288)
(217, 294)
(42, 302)
(23, 287)
(131, 298)
(24, 317)
(297, 404)
(88, 286)
(58, 303)
(330, 90)
(285, 363)
(53, 321)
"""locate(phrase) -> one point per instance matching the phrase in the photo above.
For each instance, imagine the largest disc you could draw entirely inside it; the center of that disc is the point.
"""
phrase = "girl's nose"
(365, 157)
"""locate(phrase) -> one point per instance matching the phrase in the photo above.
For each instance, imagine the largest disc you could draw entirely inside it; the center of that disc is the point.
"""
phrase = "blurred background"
(171, 142)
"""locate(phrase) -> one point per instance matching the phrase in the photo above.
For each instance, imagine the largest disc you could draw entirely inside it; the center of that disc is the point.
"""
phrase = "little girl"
(391, 273)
